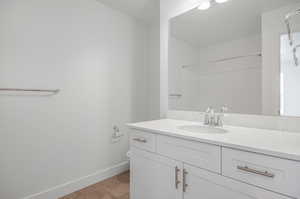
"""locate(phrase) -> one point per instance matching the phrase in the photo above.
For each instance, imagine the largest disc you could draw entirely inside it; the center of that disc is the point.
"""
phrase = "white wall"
(234, 83)
(154, 71)
(181, 54)
(96, 56)
(168, 9)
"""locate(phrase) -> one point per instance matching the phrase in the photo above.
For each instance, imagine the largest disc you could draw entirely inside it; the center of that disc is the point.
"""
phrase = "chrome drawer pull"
(177, 181)
(142, 140)
(262, 173)
(184, 184)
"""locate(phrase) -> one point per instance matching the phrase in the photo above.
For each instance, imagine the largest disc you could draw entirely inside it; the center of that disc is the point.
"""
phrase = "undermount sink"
(202, 129)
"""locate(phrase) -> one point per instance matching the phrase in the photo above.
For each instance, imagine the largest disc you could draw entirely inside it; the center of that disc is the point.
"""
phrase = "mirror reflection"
(238, 54)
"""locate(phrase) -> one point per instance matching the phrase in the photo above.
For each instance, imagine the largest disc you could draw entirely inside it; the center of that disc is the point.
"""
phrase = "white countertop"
(275, 143)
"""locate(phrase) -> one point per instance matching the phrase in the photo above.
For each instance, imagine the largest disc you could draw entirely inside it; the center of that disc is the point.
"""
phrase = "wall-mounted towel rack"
(259, 54)
(237, 57)
(175, 95)
(55, 91)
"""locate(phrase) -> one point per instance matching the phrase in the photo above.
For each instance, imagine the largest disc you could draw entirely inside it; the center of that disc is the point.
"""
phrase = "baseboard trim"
(70, 187)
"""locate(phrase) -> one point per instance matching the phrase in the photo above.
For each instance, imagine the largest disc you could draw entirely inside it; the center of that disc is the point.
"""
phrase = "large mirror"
(242, 54)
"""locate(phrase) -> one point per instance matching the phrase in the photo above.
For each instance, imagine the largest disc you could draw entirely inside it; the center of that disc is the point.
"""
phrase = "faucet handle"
(220, 116)
(224, 109)
(208, 109)
(207, 116)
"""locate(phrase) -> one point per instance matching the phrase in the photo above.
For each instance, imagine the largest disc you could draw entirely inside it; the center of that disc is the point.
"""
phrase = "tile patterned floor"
(113, 188)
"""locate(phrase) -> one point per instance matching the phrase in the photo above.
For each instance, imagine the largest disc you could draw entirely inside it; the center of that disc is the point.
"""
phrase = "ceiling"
(145, 10)
(223, 22)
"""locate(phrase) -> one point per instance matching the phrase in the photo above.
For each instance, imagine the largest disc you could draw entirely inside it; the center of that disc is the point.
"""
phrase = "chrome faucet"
(214, 119)
(209, 117)
(220, 116)
(206, 116)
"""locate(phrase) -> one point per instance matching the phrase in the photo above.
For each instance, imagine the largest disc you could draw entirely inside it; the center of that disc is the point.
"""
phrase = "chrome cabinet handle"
(262, 173)
(142, 140)
(177, 181)
(185, 185)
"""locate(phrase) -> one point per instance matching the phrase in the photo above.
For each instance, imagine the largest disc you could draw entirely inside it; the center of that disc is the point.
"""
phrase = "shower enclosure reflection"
(290, 77)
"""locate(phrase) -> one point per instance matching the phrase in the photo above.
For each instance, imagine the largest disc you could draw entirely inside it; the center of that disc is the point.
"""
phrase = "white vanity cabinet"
(154, 176)
(165, 167)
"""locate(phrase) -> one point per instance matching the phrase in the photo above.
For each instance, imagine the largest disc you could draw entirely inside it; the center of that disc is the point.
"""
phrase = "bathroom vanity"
(174, 159)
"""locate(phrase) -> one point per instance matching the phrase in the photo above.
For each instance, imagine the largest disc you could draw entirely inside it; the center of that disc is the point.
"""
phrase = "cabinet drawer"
(142, 140)
(203, 184)
(202, 155)
(278, 175)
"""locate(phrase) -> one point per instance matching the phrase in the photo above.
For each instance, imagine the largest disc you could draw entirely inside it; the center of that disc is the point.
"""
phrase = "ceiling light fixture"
(204, 5)
(208, 3)
(221, 1)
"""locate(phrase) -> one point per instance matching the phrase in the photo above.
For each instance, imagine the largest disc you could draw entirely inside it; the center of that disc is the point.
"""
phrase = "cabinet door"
(154, 177)
(202, 184)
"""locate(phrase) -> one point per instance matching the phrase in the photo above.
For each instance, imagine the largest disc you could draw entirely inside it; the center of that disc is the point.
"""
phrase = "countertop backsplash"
(290, 124)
